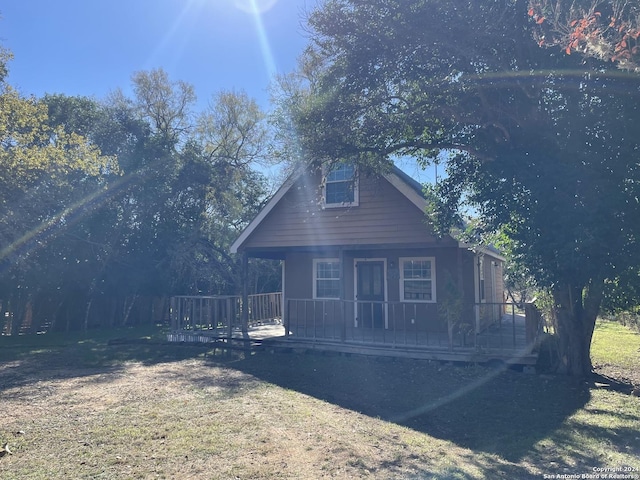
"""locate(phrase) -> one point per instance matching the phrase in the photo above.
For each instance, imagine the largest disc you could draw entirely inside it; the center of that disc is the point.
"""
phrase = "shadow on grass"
(501, 412)
(31, 358)
(493, 411)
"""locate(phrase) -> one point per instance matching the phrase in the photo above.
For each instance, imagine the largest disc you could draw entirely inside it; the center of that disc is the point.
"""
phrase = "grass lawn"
(78, 407)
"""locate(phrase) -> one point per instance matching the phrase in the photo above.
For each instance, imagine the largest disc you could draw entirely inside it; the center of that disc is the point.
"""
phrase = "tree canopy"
(542, 130)
(109, 205)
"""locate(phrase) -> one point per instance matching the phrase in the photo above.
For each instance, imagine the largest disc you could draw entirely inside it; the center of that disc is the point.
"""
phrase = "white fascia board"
(413, 196)
(482, 250)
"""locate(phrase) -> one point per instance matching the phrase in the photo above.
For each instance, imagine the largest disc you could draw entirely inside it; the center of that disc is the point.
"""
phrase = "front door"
(370, 294)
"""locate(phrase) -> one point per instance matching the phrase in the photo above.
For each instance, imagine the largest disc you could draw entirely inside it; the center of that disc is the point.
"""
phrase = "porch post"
(480, 266)
(460, 282)
(285, 312)
(343, 306)
(245, 295)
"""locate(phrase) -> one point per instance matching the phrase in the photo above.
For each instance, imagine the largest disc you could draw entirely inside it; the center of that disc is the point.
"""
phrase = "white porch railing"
(221, 315)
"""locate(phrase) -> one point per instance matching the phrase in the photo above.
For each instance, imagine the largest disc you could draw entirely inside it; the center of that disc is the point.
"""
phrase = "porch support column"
(245, 295)
(285, 313)
(460, 282)
(479, 265)
(343, 306)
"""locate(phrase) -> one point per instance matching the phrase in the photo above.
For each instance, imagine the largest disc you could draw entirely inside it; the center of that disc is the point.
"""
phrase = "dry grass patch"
(91, 410)
(191, 419)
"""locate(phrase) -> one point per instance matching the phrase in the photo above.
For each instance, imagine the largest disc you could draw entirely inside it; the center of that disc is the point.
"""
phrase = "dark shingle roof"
(411, 182)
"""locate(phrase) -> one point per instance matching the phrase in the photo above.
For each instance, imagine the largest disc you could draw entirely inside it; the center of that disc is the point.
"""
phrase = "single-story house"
(359, 257)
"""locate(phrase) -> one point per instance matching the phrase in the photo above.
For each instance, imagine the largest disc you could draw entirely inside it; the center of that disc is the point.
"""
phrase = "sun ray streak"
(265, 46)
(41, 234)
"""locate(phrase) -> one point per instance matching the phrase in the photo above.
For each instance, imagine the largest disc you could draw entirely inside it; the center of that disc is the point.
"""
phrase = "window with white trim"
(341, 186)
(418, 279)
(326, 278)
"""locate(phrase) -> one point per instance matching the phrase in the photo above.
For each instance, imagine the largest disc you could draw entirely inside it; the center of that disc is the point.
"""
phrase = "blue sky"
(91, 47)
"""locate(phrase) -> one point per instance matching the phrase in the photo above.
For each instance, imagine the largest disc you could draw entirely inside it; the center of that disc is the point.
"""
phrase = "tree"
(109, 203)
(49, 176)
(544, 144)
(604, 30)
(164, 103)
(233, 137)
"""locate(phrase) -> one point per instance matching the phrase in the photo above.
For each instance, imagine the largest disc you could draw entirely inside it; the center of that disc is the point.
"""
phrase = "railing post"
(343, 305)
(172, 309)
(314, 318)
(287, 316)
(230, 315)
(244, 307)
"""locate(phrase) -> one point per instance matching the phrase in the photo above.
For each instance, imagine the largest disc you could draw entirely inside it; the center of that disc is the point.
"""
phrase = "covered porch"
(485, 332)
(489, 332)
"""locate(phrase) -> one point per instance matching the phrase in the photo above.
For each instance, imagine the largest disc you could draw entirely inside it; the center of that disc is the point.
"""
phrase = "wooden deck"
(510, 338)
(494, 345)
(504, 342)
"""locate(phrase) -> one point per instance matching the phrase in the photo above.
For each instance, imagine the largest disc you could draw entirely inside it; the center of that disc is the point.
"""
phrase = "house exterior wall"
(299, 270)
(489, 289)
(451, 264)
(386, 225)
(383, 216)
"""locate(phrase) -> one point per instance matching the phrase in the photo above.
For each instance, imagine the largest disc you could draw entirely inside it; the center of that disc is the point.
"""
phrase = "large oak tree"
(541, 128)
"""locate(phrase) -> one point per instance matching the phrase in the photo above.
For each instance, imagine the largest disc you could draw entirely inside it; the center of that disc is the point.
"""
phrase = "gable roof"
(406, 185)
(408, 188)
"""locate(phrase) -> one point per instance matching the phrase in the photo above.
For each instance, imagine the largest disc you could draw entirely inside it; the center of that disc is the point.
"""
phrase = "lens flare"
(255, 6)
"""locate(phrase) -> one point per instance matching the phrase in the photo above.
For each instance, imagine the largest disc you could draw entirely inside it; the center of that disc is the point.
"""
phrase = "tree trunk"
(576, 311)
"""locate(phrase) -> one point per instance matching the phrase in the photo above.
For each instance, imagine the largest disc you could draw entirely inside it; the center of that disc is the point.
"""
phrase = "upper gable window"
(341, 186)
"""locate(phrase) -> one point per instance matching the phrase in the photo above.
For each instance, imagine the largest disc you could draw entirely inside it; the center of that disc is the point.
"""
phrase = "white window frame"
(401, 261)
(356, 195)
(316, 261)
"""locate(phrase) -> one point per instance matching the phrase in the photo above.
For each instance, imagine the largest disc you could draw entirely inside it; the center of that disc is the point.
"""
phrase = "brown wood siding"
(383, 216)
(468, 276)
(299, 270)
(298, 276)
(500, 282)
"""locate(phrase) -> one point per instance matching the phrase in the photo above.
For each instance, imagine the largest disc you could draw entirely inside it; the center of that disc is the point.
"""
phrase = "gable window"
(326, 278)
(341, 186)
(418, 279)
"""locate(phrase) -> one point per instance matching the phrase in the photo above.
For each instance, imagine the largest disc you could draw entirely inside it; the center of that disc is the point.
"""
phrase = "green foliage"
(111, 205)
(541, 143)
(49, 177)
(450, 307)
(165, 104)
(622, 293)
